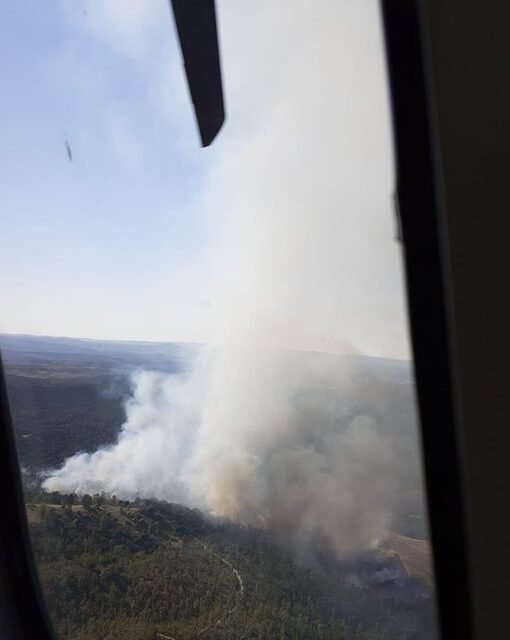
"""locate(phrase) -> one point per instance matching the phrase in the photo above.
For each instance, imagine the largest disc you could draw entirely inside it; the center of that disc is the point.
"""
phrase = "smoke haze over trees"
(322, 449)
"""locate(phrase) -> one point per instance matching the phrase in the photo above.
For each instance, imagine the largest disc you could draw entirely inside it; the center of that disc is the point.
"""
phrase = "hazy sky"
(135, 238)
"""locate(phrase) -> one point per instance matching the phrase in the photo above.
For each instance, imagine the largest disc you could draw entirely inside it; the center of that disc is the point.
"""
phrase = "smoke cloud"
(267, 429)
(319, 448)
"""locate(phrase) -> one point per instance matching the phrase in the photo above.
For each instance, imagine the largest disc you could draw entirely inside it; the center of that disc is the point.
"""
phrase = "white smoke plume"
(299, 205)
(309, 445)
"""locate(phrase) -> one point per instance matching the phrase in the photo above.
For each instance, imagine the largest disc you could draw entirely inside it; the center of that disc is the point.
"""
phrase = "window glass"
(206, 350)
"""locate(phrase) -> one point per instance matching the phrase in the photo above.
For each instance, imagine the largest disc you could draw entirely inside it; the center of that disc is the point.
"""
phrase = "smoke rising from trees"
(298, 201)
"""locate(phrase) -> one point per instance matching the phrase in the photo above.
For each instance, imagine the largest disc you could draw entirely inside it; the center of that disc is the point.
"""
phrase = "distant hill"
(17, 348)
(27, 348)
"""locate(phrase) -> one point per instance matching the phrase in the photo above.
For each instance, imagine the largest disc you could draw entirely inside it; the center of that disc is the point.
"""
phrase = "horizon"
(190, 343)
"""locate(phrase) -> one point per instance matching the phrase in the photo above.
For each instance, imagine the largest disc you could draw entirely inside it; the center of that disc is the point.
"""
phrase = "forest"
(113, 569)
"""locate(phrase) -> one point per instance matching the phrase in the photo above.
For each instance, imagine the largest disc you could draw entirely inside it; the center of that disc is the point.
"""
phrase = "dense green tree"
(134, 572)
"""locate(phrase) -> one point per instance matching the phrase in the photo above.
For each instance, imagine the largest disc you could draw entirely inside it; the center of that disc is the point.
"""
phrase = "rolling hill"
(114, 570)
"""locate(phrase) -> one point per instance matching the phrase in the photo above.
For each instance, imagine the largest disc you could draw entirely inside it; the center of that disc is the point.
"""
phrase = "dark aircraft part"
(196, 26)
(23, 611)
(422, 229)
(69, 151)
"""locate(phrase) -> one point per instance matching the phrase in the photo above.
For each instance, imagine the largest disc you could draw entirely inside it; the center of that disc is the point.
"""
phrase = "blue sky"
(79, 237)
(282, 229)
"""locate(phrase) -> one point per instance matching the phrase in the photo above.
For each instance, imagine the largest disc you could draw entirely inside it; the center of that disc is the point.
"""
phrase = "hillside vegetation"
(118, 570)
